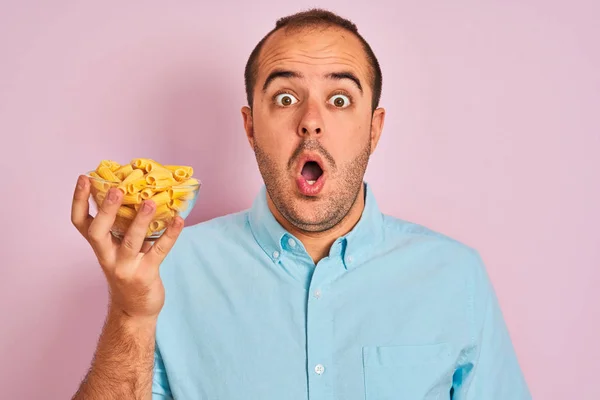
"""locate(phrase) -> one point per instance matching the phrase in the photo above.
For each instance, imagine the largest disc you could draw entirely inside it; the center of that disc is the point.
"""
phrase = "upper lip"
(304, 158)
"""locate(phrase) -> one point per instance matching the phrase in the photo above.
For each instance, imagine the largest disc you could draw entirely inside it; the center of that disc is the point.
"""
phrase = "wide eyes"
(285, 100)
(337, 100)
(340, 101)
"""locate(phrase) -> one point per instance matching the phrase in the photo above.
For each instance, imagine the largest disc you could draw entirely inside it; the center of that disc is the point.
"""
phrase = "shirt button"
(275, 254)
(349, 259)
(292, 242)
(319, 369)
(318, 293)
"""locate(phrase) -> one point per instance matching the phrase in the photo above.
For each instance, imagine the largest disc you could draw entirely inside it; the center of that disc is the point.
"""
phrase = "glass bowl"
(171, 200)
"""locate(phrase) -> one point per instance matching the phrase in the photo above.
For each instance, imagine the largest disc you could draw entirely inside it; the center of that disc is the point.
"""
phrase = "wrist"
(133, 324)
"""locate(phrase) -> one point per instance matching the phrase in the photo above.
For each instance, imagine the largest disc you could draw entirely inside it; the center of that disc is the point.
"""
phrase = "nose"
(311, 122)
(306, 130)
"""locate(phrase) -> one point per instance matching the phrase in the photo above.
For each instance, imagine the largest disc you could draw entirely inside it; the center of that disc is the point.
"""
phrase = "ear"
(248, 124)
(376, 127)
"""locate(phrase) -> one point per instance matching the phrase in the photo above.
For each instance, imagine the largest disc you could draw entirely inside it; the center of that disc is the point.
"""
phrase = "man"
(312, 293)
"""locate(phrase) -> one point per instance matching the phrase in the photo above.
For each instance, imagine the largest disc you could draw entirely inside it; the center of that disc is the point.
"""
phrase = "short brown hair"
(314, 18)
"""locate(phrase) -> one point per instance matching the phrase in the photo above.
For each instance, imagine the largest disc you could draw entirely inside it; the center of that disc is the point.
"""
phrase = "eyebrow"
(346, 75)
(280, 73)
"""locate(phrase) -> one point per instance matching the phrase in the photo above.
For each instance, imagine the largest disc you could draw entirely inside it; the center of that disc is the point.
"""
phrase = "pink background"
(491, 136)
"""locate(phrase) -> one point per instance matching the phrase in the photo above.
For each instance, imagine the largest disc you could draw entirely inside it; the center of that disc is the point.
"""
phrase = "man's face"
(312, 126)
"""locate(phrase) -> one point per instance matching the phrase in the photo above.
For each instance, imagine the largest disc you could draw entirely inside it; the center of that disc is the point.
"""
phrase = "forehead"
(313, 51)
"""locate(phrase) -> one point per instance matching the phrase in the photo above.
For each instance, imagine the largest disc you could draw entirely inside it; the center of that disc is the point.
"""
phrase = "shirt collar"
(274, 239)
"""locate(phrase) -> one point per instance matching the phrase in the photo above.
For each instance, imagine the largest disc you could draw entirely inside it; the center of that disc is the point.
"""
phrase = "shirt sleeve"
(160, 383)
(491, 371)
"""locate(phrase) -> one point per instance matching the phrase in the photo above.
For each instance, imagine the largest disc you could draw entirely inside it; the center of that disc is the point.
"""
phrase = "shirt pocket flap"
(399, 355)
(407, 371)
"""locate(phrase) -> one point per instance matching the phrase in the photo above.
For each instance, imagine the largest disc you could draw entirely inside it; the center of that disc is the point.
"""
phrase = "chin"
(310, 218)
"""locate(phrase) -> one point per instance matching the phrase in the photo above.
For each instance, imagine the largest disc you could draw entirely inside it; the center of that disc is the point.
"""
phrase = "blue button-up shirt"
(396, 311)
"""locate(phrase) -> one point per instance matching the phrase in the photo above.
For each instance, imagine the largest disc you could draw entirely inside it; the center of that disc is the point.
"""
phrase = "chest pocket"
(408, 372)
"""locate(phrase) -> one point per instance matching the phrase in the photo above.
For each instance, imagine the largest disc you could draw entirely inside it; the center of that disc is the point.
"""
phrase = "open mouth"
(311, 179)
(311, 172)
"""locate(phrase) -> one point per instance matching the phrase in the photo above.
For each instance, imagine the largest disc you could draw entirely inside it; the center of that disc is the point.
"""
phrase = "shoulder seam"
(412, 228)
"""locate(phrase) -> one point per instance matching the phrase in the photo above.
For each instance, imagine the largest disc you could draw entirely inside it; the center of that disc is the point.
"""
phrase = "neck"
(317, 244)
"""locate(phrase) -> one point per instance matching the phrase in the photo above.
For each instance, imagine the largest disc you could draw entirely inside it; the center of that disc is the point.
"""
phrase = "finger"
(99, 232)
(80, 208)
(164, 244)
(131, 243)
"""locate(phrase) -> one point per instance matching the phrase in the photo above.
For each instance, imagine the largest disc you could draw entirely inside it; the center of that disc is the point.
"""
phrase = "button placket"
(320, 333)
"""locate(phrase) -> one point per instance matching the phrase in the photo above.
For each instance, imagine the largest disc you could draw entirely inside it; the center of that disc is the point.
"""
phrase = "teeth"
(311, 182)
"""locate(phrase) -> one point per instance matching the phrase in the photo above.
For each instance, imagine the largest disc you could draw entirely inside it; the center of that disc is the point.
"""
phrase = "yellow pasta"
(190, 182)
(180, 193)
(156, 225)
(185, 190)
(152, 166)
(160, 177)
(164, 212)
(180, 173)
(161, 171)
(170, 187)
(129, 179)
(107, 174)
(133, 175)
(98, 183)
(124, 171)
(160, 198)
(178, 205)
(161, 185)
(126, 212)
(100, 196)
(187, 169)
(141, 163)
(112, 165)
(134, 198)
(136, 186)
(146, 193)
